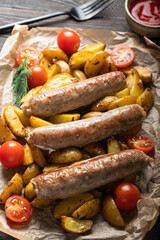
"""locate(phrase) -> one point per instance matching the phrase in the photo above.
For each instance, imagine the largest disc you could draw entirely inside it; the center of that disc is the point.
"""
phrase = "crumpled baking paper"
(138, 222)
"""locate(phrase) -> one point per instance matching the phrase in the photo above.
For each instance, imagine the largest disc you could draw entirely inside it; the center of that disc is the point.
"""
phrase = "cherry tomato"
(31, 54)
(122, 56)
(39, 76)
(126, 195)
(17, 208)
(68, 41)
(11, 154)
(140, 142)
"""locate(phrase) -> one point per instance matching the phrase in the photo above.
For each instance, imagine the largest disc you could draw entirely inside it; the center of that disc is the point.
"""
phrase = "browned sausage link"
(82, 132)
(75, 95)
(89, 174)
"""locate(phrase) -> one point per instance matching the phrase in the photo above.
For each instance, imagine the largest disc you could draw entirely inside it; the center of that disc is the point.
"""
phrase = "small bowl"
(138, 27)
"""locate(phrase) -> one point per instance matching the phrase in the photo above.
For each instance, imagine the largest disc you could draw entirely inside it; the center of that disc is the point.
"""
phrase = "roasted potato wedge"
(69, 205)
(41, 203)
(134, 83)
(78, 59)
(111, 212)
(131, 132)
(88, 209)
(75, 225)
(85, 155)
(55, 53)
(146, 99)
(23, 118)
(44, 61)
(102, 105)
(91, 114)
(65, 155)
(78, 74)
(126, 70)
(127, 100)
(31, 171)
(31, 93)
(14, 187)
(95, 47)
(96, 193)
(123, 145)
(29, 191)
(64, 67)
(28, 156)
(113, 145)
(5, 133)
(53, 70)
(108, 66)
(51, 167)
(94, 64)
(13, 121)
(123, 93)
(36, 122)
(63, 118)
(94, 149)
(145, 74)
(38, 157)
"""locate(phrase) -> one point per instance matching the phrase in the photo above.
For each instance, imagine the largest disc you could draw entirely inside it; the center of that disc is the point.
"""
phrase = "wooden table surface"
(112, 18)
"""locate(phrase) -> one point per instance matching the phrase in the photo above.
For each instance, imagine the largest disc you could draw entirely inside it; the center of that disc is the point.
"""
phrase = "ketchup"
(146, 11)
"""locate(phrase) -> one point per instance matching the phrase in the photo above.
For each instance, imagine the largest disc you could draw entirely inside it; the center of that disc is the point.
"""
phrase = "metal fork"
(79, 13)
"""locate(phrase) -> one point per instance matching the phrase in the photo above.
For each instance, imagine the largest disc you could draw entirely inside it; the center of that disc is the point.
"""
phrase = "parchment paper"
(43, 225)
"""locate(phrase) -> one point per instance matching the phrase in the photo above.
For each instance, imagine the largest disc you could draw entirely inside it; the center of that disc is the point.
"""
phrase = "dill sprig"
(20, 86)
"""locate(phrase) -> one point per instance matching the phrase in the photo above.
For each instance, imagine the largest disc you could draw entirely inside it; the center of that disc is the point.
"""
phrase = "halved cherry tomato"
(122, 56)
(31, 54)
(68, 41)
(11, 154)
(126, 195)
(17, 208)
(39, 76)
(140, 142)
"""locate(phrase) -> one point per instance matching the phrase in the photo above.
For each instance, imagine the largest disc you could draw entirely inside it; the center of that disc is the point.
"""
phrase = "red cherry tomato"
(39, 76)
(11, 154)
(31, 54)
(122, 56)
(17, 208)
(140, 142)
(68, 41)
(126, 195)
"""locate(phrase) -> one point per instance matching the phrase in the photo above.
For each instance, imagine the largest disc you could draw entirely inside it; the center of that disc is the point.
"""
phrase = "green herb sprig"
(19, 84)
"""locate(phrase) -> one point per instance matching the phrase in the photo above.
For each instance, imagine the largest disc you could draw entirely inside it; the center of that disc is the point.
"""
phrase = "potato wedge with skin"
(38, 157)
(113, 145)
(94, 149)
(94, 64)
(51, 167)
(78, 74)
(78, 59)
(41, 203)
(96, 193)
(102, 105)
(5, 133)
(53, 70)
(126, 70)
(38, 122)
(63, 118)
(131, 132)
(134, 83)
(127, 100)
(13, 121)
(31, 171)
(55, 53)
(85, 155)
(111, 212)
(58, 81)
(28, 156)
(88, 209)
(65, 155)
(64, 67)
(91, 114)
(123, 145)
(14, 187)
(123, 93)
(146, 99)
(44, 61)
(75, 225)
(95, 47)
(69, 205)
(29, 191)
(31, 93)
(23, 118)
(108, 66)
(145, 74)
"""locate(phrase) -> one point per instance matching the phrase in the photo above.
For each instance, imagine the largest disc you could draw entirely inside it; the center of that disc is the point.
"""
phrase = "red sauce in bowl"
(146, 11)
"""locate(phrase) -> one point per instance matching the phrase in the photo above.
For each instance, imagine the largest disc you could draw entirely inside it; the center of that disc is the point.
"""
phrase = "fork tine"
(95, 6)
(88, 3)
(98, 9)
(94, 3)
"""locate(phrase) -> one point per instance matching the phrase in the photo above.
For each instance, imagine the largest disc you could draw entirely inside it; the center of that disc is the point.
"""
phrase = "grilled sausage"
(81, 132)
(74, 96)
(89, 174)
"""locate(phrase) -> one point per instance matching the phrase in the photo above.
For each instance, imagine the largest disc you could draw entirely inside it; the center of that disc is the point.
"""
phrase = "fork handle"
(31, 20)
